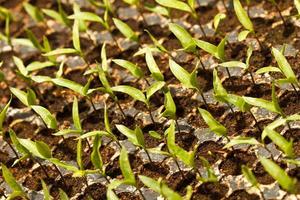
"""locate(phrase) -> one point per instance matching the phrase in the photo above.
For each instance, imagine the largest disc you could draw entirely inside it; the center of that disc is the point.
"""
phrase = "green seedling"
(29, 100)
(283, 179)
(139, 95)
(17, 190)
(34, 12)
(152, 66)
(135, 136)
(59, 16)
(88, 16)
(161, 188)
(213, 124)
(46, 191)
(157, 9)
(188, 80)
(241, 140)
(62, 195)
(217, 19)
(157, 44)
(134, 69)
(245, 21)
(125, 30)
(186, 7)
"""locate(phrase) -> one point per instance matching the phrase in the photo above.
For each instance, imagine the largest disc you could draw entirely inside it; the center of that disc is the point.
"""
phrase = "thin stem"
(252, 78)
(282, 18)
(204, 100)
(13, 149)
(200, 60)
(61, 176)
(229, 75)
(232, 111)
(256, 122)
(177, 124)
(42, 167)
(224, 4)
(196, 16)
(92, 103)
(177, 164)
(106, 179)
(141, 193)
(119, 106)
(147, 153)
(151, 116)
(294, 88)
(259, 43)
(147, 81)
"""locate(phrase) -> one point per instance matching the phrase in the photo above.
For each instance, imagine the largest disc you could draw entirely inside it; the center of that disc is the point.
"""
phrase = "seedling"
(135, 136)
(283, 179)
(126, 30)
(46, 191)
(17, 190)
(152, 66)
(188, 80)
(59, 16)
(245, 21)
(160, 187)
(186, 7)
(34, 12)
(217, 19)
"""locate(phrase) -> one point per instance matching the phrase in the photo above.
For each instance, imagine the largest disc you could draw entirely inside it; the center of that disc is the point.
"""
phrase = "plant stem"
(151, 116)
(177, 124)
(177, 164)
(147, 81)
(92, 103)
(119, 106)
(229, 75)
(204, 100)
(294, 88)
(196, 16)
(259, 43)
(13, 149)
(147, 153)
(200, 60)
(224, 4)
(42, 167)
(256, 122)
(61, 176)
(232, 111)
(141, 193)
(282, 18)
(252, 78)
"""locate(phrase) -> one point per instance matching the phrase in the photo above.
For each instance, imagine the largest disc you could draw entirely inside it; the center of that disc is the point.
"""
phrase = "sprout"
(46, 191)
(283, 179)
(125, 30)
(59, 16)
(34, 12)
(17, 190)
(217, 20)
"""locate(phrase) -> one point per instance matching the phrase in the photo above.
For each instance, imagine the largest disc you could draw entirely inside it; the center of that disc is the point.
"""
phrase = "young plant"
(186, 7)
(283, 179)
(152, 66)
(34, 12)
(139, 95)
(134, 69)
(217, 19)
(17, 190)
(135, 136)
(245, 21)
(60, 16)
(188, 80)
(125, 30)
(161, 188)
(46, 191)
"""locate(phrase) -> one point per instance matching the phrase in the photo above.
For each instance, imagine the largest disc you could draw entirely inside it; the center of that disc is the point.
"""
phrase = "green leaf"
(21, 95)
(243, 35)
(157, 9)
(34, 12)
(43, 149)
(46, 192)
(217, 19)
(284, 66)
(234, 64)
(126, 168)
(297, 5)
(79, 154)
(281, 142)
(104, 63)
(186, 79)
(131, 2)
(213, 124)
(34, 40)
(183, 155)
(20, 65)
(130, 134)
(133, 68)
(248, 174)
(152, 89)
(61, 51)
(175, 4)
(221, 50)
(237, 101)
(87, 16)
(206, 46)
(3, 114)
(17, 144)
(131, 91)
(241, 140)
(46, 116)
(75, 36)
(106, 120)
(249, 54)
(152, 66)
(75, 114)
(63, 164)
(156, 42)
(220, 92)
(96, 155)
(63, 195)
(183, 36)
(125, 30)
(36, 65)
(31, 97)
(104, 80)
(268, 69)
(242, 15)
(170, 107)
(160, 187)
(69, 84)
(56, 15)
(93, 134)
(155, 135)
(211, 176)
(284, 180)
(34, 148)
(10, 180)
